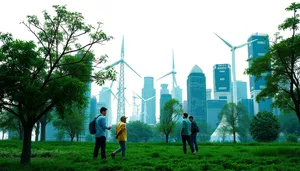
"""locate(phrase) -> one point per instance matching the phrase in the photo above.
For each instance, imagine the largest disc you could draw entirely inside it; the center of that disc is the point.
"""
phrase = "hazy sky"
(153, 28)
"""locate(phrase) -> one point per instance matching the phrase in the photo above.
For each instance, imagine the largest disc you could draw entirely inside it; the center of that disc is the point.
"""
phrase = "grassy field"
(153, 156)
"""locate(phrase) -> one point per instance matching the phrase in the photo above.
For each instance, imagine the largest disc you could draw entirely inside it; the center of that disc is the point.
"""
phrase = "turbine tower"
(121, 97)
(145, 108)
(233, 73)
(173, 72)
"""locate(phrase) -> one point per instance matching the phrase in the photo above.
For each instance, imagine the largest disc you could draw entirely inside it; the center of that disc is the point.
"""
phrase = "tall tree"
(282, 61)
(44, 121)
(36, 78)
(171, 112)
(234, 117)
(289, 124)
(72, 122)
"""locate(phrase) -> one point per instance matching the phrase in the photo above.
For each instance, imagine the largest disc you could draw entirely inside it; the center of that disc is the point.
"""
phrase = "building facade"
(241, 90)
(163, 99)
(214, 107)
(196, 94)
(105, 98)
(248, 106)
(255, 50)
(222, 82)
(149, 91)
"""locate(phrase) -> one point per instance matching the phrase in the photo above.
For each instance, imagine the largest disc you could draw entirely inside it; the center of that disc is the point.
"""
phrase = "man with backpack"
(101, 127)
(194, 130)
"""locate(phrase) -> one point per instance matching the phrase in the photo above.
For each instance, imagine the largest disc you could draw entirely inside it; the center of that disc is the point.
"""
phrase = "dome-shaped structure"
(196, 69)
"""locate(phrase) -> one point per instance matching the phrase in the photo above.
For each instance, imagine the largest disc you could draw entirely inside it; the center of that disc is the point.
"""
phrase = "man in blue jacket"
(101, 127)
(194, 130)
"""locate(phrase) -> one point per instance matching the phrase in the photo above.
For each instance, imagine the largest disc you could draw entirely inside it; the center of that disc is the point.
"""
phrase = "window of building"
(252, 87)
(222, 88)
(223, 97)
(222, 71)
(261, 54)
(222, 79)
(262, 87)
(261, 42)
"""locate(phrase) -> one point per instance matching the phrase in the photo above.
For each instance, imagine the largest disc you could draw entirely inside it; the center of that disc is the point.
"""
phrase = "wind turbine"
(173, 72)
(121, 97)
(145, 103)
(109, 89)
(233, 73)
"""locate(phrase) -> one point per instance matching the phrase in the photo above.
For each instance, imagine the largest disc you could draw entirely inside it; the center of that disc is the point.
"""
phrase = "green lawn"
(153, 156)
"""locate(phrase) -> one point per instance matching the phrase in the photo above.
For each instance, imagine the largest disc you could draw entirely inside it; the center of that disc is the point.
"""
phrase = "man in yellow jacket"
(121, 136)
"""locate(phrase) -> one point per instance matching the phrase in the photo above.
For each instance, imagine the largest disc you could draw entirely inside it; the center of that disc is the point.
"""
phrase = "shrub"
(292, 138)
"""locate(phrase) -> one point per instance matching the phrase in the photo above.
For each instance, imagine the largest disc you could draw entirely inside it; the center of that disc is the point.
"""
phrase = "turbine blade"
(228, 44)
(138, 96)
(113, 94)
(127, 102)
(173, 66)
(164, 76)
(132, 69)
(112, 65)
(246, 43)
(111, 84)
(175, 81)
(150, 98)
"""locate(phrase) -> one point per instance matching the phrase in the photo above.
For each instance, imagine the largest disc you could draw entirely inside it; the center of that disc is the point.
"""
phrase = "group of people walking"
(188, 133)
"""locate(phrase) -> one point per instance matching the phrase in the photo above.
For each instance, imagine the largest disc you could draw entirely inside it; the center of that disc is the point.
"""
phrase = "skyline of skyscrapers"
(196, 94)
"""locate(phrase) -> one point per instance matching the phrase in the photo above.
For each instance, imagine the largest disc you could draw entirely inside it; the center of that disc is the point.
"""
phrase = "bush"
(292, 138)
(265, 127)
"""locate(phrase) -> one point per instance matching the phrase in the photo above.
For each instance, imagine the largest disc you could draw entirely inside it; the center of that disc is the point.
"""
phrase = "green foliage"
(72, 123)
(281, 62)
(289, 124)
(154, 156)
(265, 127)
(171, 112)
(11, 123)
(292, 138)
(48, 68)
(138, 131)
(237, 119)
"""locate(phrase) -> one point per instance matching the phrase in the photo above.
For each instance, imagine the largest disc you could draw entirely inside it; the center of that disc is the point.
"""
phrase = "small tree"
(72, 122)
(235, 116)
(139, 131)
(292, 138)
(224, 131)
(265, 127)
(289, 124)
(171, 112)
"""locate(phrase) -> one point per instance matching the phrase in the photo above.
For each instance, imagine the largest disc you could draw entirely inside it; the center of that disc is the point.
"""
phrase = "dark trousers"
(194, 141)
(186, 138)
(100, 143)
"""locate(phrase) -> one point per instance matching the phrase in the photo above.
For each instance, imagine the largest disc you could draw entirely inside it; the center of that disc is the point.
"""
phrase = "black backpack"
(92, 126)
(196, 127)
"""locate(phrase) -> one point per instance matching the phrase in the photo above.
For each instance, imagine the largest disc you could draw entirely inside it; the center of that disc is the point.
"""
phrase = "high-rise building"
(178, 94)
(164, 89)
(185, 106)
(241, 90)
(248, 106)
(255, 50)
(222, 82)
(196, 95)
(163, 99)
(208, 94)
(147, 92)
(214, 107)
(105, 98)
(93, 112)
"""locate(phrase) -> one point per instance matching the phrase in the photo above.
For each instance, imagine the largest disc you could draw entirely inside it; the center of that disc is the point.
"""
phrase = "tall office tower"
(241, 90)
(222, 82)
(196, 95)
(147, 92)
(255, 50)
(208, 94)
(214, 107)
(105, 98)
(163, 99)
(164, 89)
(178, 94)
(185, 106)
(248, 106)
(93, 112)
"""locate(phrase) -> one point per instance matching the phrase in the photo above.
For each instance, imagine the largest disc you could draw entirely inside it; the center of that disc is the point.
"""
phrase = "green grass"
(153, 156)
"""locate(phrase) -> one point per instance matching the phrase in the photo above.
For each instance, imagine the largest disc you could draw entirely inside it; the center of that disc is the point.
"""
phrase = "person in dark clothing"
(186, 133)
(194, 130)
(101, 127)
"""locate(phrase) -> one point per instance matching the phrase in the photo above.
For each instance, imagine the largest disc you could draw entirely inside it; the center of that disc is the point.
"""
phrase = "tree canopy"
(52, 71)
(282, 61)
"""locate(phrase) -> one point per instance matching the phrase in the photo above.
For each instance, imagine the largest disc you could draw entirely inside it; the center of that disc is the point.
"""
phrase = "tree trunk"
(43, 132)
(167, 138)
(26, 151)
(234, 137)
(77, 137)
(72, 138)
(3, 132)
(37, 131)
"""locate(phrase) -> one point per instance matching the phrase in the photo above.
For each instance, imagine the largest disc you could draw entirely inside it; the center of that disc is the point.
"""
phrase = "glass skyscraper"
(255, 50)
(241, 90)
(222, 82)
(163, 99)
(214, 107)
(147, 92)
(196, 95)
